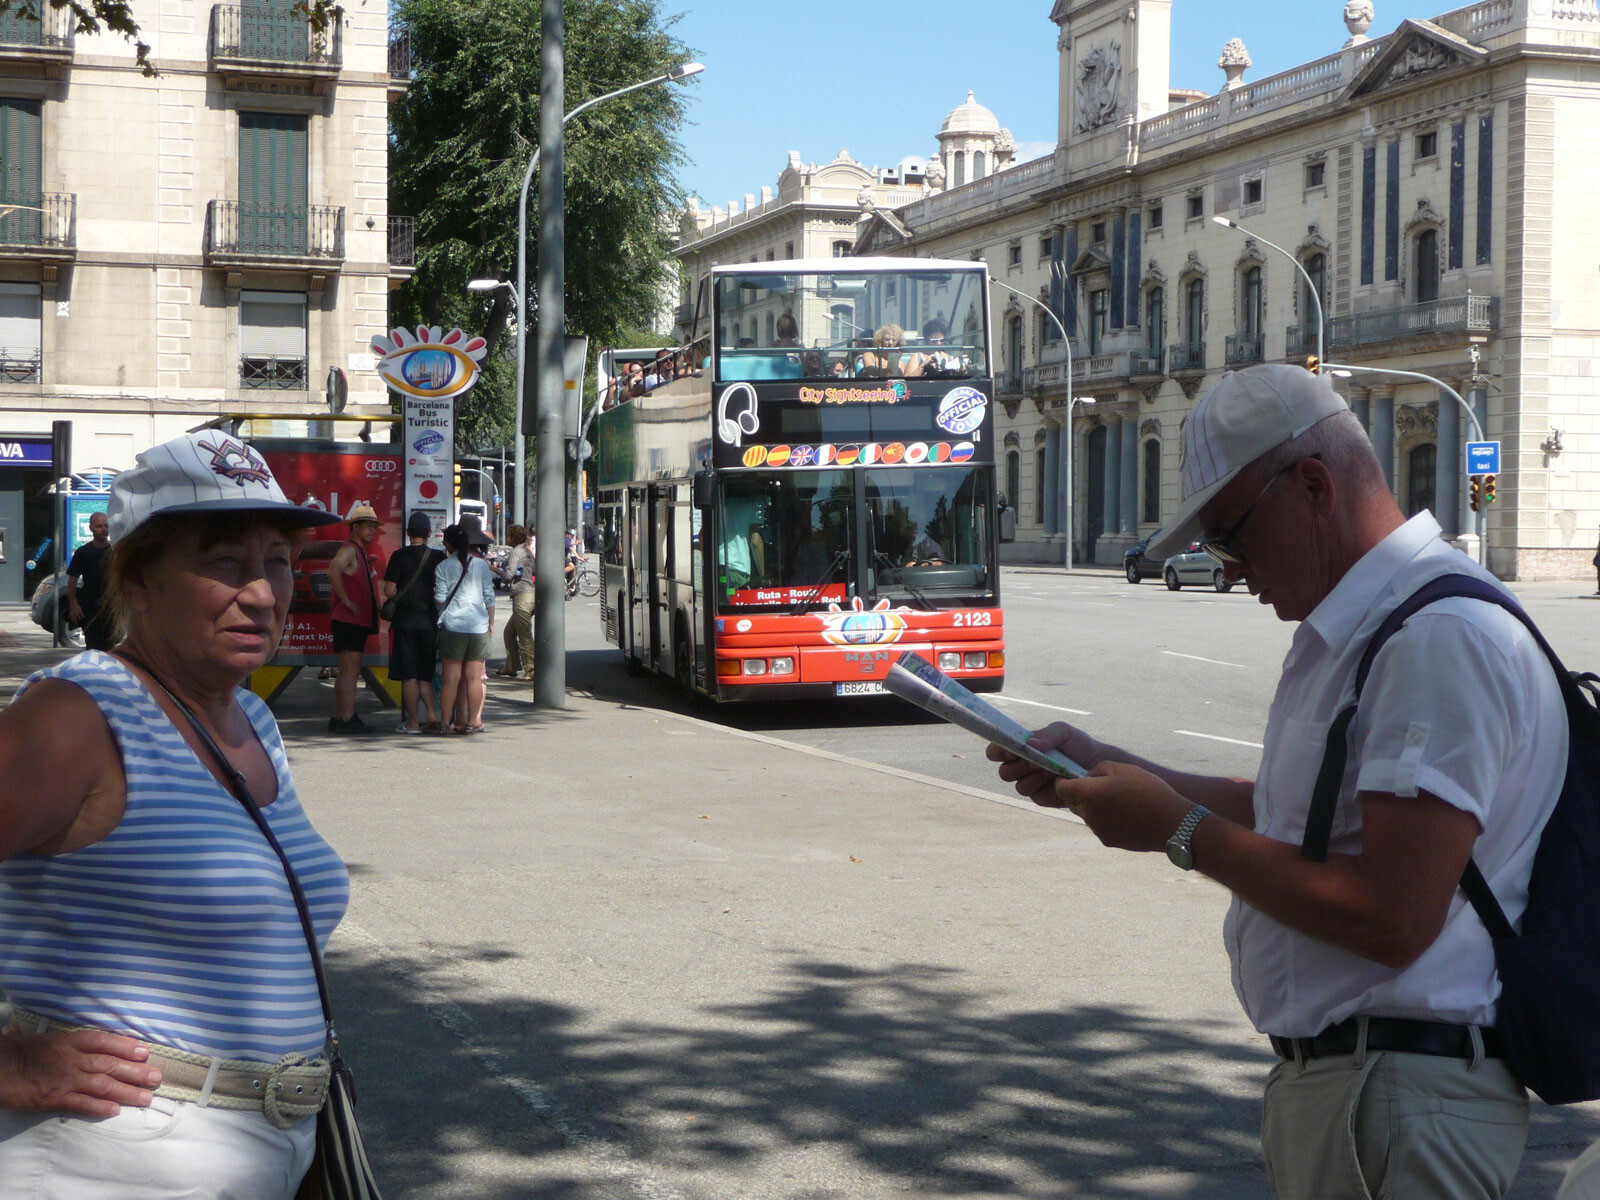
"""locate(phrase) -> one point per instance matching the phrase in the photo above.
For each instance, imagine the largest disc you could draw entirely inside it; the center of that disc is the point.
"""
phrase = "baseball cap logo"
(238, 462)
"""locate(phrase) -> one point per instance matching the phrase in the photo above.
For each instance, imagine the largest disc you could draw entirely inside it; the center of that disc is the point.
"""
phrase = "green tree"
(461, 140)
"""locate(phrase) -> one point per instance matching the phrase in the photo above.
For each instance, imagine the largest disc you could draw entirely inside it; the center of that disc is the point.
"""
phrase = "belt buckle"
(294, 1083)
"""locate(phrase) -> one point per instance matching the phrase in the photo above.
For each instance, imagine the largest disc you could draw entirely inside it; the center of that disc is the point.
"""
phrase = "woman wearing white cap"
(150, 939)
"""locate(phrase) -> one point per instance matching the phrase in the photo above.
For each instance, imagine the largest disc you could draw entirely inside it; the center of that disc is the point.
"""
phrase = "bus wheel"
(630, 664)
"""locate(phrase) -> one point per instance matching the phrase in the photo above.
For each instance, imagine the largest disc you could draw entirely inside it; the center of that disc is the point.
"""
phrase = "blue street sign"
(1483, 458)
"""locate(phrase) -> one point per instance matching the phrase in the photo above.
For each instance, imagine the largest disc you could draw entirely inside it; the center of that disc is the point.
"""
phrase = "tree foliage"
(461, 140)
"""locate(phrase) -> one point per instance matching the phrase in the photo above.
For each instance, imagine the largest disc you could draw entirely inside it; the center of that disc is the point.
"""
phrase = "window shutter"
(19, 320)
(21, 176)
(272, 325)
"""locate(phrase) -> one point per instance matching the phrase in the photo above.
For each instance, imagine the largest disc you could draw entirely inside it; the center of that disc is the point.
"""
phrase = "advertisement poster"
(430, 440)
(79, 510)
(335, 476)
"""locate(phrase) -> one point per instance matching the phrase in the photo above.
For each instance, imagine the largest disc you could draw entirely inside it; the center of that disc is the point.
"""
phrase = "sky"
(878, 76)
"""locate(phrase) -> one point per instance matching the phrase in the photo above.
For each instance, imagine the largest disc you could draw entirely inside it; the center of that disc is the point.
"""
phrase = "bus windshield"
(911, 324)
(927, 532)
(786, 538)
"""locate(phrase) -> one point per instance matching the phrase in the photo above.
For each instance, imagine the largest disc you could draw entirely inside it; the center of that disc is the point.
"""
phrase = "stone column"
(1382, 430)
(1448, 495)
(1362, 407)
(1050, 486)
(1130, 475)
(1112, 495)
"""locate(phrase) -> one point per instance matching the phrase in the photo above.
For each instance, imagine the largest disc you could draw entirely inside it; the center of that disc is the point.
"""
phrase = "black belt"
(1391, 1033)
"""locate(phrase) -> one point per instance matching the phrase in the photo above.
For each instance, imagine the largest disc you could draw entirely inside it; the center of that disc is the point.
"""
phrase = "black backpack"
(1548, 1014)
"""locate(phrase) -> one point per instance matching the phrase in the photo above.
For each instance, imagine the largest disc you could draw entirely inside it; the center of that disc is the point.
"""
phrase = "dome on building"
(970, 117)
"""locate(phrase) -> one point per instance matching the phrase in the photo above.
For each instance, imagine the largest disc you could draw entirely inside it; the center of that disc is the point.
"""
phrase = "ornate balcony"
(39, 45)
(39, 225)
(1147, 363)
(1244, 349)
(1100, 368)
(1186, 357)
(402, 245)
(239, 235)
(1446, 320)
(253, 44)
(1299, 341)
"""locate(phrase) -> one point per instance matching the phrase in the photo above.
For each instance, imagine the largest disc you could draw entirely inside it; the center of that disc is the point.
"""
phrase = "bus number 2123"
(973, 619)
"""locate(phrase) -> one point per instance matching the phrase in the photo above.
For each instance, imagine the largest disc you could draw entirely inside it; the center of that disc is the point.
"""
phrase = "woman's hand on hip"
(87, 1071)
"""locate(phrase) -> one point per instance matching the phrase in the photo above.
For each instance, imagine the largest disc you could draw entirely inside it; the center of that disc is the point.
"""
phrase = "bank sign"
(24, 452)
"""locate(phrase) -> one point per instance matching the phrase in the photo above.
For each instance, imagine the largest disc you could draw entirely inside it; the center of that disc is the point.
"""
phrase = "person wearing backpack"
(1369, 969)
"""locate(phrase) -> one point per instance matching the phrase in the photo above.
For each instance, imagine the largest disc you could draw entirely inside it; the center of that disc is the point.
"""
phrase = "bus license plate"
(866, 687)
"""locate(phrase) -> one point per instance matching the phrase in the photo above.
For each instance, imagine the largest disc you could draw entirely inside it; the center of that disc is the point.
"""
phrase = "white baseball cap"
(1248, 413)
(202, 472)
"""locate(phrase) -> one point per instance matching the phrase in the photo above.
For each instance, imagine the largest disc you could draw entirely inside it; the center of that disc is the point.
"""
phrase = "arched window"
(1014, 352)
(1250, 303)
(1194, 317)
(1426, 258)
(977, 164)
(959, 175)
(1152, 481)
(1155, 304)
(1317, 267)
(1014, 477)
(1038, 485)
(1421, 473)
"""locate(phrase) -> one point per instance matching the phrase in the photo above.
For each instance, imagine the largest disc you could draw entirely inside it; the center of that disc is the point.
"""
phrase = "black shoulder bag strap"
(241, 792)
(1325, 796)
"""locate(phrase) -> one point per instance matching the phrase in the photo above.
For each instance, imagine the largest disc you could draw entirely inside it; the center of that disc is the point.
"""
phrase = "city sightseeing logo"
(858, 626)
(892, 392)
(429, 363)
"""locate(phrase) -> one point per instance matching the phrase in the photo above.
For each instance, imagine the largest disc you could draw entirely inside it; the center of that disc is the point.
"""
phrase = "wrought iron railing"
(270, 231)
(1454, 314)
(1186, 356)
(271, 34)
(19, 368)
(400, 57)
(1299, 339)
(47, 220)
(1147, 362)
(282, 374)
(51, 30)
(1244, 349)
(402, 241)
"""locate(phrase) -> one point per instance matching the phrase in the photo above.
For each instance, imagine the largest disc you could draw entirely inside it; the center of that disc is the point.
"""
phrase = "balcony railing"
(1244, 349)
(262, 34)
(1186, 356)
(1147, 362)
(402, 242)
(19, 368)
(400, 58)
(1467, 314)
(1299, 340)
(240, 231)
(280, 374)
(46, 222)
(1105, 366)
(51, 30)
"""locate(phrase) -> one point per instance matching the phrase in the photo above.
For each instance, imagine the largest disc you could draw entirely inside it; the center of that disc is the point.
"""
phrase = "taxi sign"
(1483, 458)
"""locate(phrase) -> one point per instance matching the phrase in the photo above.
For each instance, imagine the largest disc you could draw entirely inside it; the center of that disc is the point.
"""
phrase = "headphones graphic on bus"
(733, 429)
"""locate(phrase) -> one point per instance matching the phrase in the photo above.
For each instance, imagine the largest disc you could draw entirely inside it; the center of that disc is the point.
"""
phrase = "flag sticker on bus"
(891, 454)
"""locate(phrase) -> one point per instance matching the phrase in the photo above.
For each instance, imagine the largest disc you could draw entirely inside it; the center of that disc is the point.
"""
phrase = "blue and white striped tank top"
(179, 927)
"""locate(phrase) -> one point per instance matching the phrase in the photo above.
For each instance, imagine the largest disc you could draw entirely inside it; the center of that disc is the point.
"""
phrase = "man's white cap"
(201, 472)
(1248, 413)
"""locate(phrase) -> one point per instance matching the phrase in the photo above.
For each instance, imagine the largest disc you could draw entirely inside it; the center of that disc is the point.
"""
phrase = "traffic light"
(1488, 489)
(1312, 363)
(1472, 494)
(458, 481)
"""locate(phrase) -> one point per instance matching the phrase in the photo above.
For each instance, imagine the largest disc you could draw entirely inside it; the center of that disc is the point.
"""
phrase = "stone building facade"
(1412, 176)
(212, 239)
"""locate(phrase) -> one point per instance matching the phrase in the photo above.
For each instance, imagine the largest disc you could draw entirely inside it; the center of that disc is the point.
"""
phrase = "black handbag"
(339, 1169)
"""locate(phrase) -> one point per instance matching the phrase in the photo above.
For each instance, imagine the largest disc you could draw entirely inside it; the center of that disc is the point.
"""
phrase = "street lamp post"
(1345, 370)
(1066, 342)
(1311, 286)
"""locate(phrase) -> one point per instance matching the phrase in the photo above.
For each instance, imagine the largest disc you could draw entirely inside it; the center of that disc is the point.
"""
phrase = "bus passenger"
(885, 357)
(788, 331)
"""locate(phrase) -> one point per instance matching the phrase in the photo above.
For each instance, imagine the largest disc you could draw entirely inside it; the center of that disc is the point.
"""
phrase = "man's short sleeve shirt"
(1462, 704)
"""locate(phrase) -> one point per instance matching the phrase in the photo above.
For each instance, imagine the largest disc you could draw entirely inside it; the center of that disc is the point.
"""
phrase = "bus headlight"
(949, 660)
(755, 666)
(975, 660)
(782, 666)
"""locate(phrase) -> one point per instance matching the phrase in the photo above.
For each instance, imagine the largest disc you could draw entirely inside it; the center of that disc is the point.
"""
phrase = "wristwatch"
(1180, 846)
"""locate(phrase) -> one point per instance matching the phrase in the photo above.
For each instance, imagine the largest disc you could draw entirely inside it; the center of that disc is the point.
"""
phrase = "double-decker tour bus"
(808, 488)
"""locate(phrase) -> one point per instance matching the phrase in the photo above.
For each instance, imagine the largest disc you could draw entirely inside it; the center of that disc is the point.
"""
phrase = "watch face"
(1181, 855)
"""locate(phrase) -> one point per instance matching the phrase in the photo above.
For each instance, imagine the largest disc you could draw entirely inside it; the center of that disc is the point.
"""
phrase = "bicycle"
(585, 580)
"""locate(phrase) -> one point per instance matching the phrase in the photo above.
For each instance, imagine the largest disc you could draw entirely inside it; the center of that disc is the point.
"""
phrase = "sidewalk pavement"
(617, 951)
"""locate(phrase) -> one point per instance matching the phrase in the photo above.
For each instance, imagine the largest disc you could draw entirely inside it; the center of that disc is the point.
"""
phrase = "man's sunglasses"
(1222, 548)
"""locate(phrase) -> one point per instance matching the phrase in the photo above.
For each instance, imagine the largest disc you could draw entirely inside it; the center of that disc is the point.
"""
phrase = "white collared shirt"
(1461, 703)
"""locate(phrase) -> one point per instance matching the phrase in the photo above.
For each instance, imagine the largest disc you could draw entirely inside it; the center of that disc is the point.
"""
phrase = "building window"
(843, 327)
(1194, 318)
(977, 165)
(1250, 303)
(1317, 267)
(1046, 245)
(1253, 191)
(1014, 254)
(1155, 301)
(771, 254)
(1155, 216)
(959, 174)
(841, 249)
(771, 336)
(272, 341)
(20, 342)
(1014, 351)
(1426, 258)
(1013, 477)
(1422, 467)
(273, 216)
(1316, 174)
(1038, 486)
(1099, 310)
(1152, 481)
(1097, 233)
(788, 250)
(1194, 207)
(1428, 144)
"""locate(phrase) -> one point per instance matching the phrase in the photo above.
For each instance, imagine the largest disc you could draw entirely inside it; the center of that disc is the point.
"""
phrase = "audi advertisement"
(335, 477)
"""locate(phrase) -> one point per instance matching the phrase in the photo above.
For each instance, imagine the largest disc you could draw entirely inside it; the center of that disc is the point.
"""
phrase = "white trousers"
(170, 1151)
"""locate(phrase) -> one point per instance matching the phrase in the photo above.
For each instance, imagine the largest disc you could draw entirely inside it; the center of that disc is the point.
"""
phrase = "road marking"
(1214, 661)
(1211, 737)
(1077, 712)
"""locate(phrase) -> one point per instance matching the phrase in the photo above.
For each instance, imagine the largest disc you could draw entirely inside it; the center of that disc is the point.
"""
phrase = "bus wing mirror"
(705, 490)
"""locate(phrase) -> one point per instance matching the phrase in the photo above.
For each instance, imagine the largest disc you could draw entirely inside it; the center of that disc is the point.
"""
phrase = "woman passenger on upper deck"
(885, 358)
